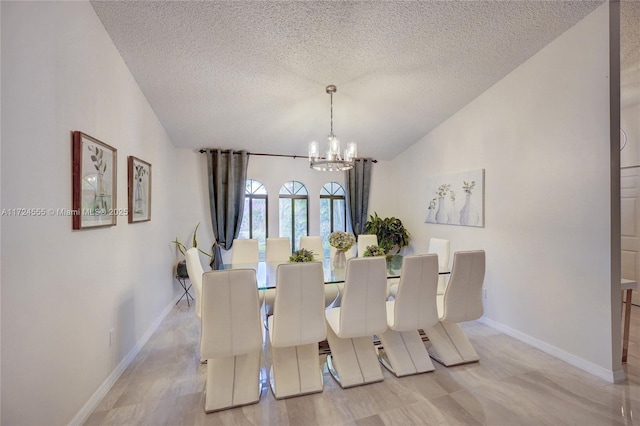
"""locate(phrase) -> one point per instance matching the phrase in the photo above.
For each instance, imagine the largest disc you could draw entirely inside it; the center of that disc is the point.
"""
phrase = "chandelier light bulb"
(351, 152)
(314, 151)
(334, 148)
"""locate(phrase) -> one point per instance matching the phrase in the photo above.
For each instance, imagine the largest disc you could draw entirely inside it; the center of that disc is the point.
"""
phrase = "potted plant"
(391, 233)
(302, 255)
(181, 268)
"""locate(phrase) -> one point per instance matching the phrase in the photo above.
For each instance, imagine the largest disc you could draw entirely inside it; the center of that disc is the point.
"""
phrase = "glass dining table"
(266, 272)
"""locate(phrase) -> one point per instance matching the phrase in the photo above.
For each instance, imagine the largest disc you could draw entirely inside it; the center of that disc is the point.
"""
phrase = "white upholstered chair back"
(195, 271)
(442, 248)
(313, 243)
(415, 304)
(462, 300)
(298, 312)
(364, 241)
(278, 248)
(363, 309)
(231, 322)
(245, 251)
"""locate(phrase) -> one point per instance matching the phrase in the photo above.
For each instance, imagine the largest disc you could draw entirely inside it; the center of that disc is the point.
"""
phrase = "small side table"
(187, 295)
(628, 286)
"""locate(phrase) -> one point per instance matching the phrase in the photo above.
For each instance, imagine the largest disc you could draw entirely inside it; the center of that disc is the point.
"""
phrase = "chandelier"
(332, 160)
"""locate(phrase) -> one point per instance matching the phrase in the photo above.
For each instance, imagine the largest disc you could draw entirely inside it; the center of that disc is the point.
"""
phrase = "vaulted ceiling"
(252, 75)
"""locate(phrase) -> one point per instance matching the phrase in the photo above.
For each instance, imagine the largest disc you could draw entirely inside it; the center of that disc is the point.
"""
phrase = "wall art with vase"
(456, 199)
(94, 182)
(139, 183)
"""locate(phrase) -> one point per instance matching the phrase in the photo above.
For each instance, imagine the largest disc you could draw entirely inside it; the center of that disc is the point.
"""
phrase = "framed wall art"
(94, 182)
(139, 184)
(456, 199)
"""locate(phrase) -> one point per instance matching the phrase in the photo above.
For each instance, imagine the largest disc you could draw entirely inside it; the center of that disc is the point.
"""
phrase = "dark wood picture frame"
(139, 189)
(94, 182)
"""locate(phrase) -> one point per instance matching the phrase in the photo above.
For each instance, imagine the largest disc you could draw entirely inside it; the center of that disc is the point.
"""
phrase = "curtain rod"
(226, 151)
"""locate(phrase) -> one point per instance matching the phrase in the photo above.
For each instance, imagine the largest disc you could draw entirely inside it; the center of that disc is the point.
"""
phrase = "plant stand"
(187, 295)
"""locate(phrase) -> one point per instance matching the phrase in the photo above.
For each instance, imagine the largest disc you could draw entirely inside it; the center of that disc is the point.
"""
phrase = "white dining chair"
(245, 250)
(195, 271)
(413, 308)
(364, 241)
(349, 254)
(231, 338)
(295, 328)
(461, 302)
(362, 313)
(440, 247)
(278, 250)
(314, 244)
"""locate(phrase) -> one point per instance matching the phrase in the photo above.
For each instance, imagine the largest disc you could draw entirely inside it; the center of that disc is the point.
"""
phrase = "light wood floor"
(513, 384)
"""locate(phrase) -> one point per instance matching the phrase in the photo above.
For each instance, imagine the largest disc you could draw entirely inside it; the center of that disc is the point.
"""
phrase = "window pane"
(244, 227)
(325, 223)
(285, 217)
(255, 187)
(259, 207)
(300, 189)
(300, 211)
(339, 221)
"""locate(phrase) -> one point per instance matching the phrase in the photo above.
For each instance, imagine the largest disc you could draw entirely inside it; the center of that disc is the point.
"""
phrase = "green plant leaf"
(205, 253)
(195, 240)
(180, 246)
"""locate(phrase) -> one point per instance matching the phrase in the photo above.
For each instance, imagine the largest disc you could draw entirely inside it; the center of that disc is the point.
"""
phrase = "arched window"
(333, 212)
(255, 217)
(294, 212)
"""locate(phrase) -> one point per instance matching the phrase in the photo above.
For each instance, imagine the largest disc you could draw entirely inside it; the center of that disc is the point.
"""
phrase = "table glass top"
(266, 272)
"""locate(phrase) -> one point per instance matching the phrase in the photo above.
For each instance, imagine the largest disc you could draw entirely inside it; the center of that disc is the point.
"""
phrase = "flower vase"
(339, 260)
(100, 196)
(138, 198)
(431, 216)
(468, 214)
(441, 214)
(453, 215)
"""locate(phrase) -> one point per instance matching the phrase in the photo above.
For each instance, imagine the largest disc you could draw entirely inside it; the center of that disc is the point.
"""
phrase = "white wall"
(64, 290)
(0, 222)
(542, 135)
(630, 123)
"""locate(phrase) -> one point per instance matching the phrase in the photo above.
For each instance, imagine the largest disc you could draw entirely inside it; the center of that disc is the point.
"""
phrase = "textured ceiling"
(252, 75)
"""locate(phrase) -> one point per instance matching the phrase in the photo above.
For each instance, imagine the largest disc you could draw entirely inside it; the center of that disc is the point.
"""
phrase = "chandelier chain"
(331, 95)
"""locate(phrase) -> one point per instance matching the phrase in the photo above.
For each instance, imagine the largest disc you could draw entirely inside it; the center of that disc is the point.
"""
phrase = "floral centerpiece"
(302, 255)
(372, 251)
(342, 241)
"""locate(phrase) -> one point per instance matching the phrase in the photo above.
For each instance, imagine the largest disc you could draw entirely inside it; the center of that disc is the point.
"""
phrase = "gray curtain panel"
(227, 172)
(358, 182)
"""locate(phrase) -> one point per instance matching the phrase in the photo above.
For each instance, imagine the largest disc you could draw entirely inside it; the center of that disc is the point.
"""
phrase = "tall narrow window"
(294, 212)
(255, 218)
(333, 212)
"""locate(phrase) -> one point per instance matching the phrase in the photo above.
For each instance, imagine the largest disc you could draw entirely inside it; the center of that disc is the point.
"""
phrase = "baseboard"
(591, 368)
(104, 388)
